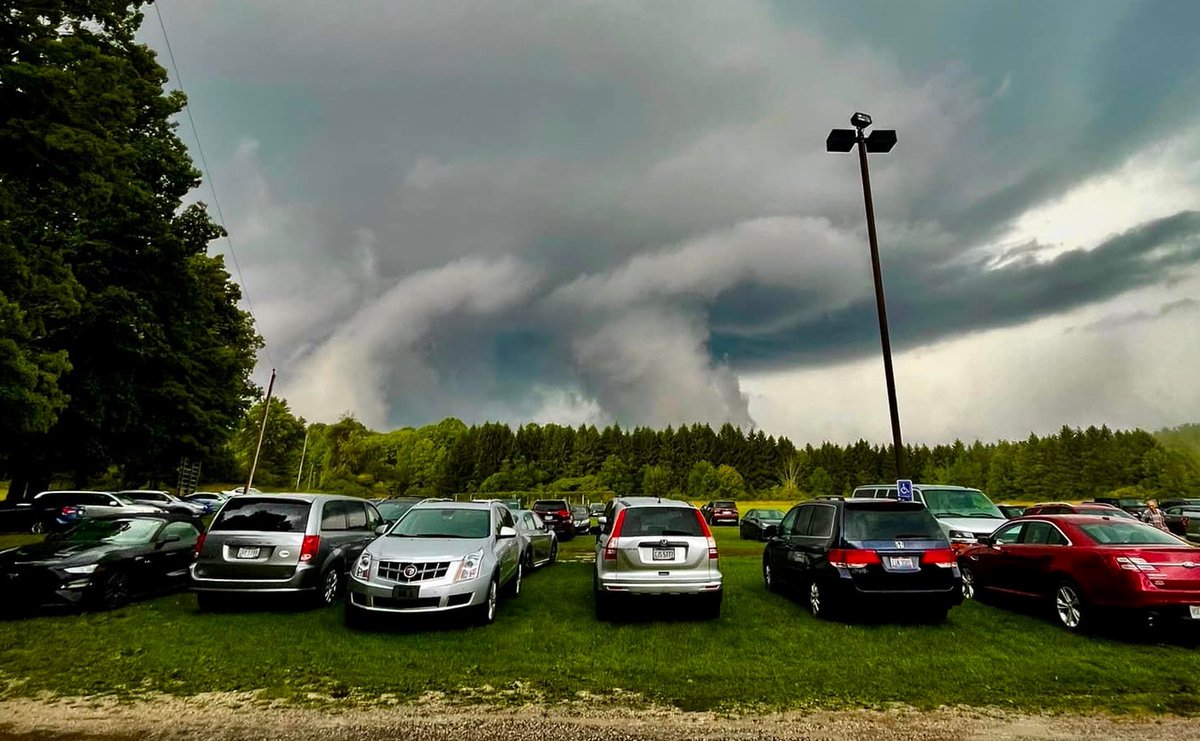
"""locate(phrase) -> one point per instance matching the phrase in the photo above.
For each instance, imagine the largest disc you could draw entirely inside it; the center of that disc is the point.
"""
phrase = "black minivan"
(863, 556)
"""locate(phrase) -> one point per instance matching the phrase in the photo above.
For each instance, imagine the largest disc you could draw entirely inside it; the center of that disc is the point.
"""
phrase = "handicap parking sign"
(904, 490)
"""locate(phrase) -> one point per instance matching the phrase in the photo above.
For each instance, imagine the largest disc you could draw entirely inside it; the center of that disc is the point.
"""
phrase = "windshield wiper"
(426, 535)
(951, 514)
(988, 515)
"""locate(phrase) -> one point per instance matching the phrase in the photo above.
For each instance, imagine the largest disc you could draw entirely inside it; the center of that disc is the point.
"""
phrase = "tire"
(770, 579)
(605, 609)
(710, 607)
(38, 528)
(820, 605)
(553, 553)
(742, 533)
(114, 590)
(485, 614)
(513, 588)
(356, 618)
(970, 588)
(932, 615)
(209, 602)
(1070, 609)
(330, 588)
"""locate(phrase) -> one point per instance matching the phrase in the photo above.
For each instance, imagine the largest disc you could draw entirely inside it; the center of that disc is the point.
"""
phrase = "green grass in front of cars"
(765, 650)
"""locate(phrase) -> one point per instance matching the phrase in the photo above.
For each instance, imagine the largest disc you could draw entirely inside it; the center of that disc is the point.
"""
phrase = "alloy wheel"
(115, 590)
(329, 588)
(491, 601)
(814, 599)
(516, 590)
(1068, 606)
(768, 577)
(968, 583)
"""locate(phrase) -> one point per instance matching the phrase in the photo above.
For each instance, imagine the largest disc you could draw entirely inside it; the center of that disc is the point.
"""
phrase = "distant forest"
(696, 461)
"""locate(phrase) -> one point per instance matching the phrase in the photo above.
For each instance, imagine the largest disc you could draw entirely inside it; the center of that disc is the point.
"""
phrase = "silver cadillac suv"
(440, 555)
(651, 546)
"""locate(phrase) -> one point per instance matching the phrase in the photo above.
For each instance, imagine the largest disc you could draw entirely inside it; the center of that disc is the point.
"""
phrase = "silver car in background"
(539, 544)
(651, 546)
(439, 556)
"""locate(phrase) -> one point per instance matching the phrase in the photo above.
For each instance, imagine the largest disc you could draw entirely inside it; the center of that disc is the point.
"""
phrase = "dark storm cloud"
(927, 303)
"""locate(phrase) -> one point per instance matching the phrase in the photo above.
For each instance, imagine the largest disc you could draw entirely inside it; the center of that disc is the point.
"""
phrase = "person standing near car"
(1154, 516)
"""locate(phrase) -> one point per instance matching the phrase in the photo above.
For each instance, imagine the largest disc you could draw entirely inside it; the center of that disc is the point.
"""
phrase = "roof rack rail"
(834, 497)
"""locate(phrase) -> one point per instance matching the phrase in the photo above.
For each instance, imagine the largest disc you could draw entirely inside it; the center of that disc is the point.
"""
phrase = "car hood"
(976, 525)
(51, 553)
(430, 549)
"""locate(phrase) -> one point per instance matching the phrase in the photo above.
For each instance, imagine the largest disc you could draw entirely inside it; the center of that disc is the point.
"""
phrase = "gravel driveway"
(232, 716)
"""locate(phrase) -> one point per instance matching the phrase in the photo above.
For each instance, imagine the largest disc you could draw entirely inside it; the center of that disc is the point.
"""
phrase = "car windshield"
(443, 522)
(1127, 532)
(263, 515)
(119, 532)
(392, 511)
(960, 503)
(659, 521)
(770, 514)
(1130, 503)
(890, 523)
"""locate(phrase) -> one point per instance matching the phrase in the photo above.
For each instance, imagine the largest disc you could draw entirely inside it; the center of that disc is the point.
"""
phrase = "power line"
(208, 176)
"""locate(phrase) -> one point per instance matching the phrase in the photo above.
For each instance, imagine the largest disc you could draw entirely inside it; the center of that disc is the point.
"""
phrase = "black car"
(864, 556)
(1133, 506)
(759, 524)
(100, 562)
(557, 514)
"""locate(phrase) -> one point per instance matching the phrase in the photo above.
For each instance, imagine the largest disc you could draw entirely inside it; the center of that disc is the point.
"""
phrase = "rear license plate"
(1194, 612)
(903, 563)
(663, 554)
(247, 552)
(405, 591)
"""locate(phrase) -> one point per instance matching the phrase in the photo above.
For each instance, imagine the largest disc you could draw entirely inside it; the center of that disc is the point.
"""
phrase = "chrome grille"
(407, 572)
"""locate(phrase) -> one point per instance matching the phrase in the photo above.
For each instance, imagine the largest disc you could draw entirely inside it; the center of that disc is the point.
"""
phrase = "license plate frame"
(406, 591)
(247, 552)
(1194, 612)
(902, 563)
(662, 554)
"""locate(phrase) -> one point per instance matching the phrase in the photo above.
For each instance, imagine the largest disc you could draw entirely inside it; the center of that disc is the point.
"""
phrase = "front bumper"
(306, 579)
(28, 589)
(435, 596)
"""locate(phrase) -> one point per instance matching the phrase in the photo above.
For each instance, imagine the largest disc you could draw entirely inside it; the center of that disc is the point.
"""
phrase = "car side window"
(187, 533)
(356, 515)
(98, 500)
(803, 519)
(788, 521)
(333, 516)
(506, 518)
(610, 515)
(1036, 533)
(1008, 535)
(374, 519)
(821, 523)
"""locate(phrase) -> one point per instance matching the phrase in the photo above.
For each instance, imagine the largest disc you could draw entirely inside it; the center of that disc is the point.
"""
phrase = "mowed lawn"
(764, 651)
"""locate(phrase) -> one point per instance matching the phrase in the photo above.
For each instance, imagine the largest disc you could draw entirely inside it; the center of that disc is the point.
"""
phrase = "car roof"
(302, 496)
(919, 486)
(1102, 505)
(71, 491)
(652, 502)
(451, 504)
(164, 516)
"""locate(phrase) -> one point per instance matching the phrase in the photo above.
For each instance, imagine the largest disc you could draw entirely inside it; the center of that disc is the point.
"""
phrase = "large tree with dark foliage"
(121, 342)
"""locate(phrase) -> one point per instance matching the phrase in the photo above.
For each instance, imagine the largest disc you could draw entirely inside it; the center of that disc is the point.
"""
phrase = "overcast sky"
(616, 211)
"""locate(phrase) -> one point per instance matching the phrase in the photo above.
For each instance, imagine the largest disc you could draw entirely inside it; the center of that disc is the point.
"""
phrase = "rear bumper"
(947, 597)
(716, 519)
(306, 579)
(618, 584)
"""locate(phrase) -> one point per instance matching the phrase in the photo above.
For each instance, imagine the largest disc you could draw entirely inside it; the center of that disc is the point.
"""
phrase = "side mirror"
(382, 529)
(507, 532)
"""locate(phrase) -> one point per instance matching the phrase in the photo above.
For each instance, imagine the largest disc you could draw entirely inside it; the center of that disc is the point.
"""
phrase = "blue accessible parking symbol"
(904, 490)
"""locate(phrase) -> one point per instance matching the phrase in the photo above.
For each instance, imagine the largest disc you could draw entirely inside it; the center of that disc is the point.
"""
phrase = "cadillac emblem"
(409, 571)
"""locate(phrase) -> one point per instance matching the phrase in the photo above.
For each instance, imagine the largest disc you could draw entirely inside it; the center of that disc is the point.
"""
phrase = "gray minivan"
(302, 544)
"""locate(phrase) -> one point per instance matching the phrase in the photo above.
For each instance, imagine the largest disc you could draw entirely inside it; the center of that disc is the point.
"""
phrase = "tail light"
(853, 559)
(712, 542)
(565, 514)
(1133, 563)
(70, 510)
(200, 543)
(308, 549)
(610, 549)
(943, 557)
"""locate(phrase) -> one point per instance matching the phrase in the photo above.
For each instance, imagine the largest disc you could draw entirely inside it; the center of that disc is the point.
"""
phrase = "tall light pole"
(880, 140)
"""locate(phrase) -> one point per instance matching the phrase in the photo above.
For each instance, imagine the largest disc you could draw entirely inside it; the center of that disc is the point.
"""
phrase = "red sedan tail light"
(1133, 563)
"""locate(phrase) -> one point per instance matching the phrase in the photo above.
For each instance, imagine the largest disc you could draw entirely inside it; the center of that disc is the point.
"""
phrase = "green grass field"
(764, 651)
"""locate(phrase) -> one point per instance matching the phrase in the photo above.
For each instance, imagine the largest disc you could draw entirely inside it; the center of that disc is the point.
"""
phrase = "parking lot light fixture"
(879, 141)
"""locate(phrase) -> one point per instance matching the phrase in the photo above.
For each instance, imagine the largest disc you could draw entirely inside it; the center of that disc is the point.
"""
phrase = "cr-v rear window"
(263, 515)
(658, 521)
(887, 522)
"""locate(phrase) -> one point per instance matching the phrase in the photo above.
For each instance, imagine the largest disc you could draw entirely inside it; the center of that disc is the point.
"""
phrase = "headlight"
(469, 569)
(81, 569)
(962, 535)
(362, 569)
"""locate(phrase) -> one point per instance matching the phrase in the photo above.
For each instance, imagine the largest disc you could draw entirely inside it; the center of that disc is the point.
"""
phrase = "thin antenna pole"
(261, 431)
(303, 452)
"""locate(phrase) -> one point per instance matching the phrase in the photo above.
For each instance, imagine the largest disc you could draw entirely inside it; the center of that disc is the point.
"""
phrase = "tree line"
(451, 457)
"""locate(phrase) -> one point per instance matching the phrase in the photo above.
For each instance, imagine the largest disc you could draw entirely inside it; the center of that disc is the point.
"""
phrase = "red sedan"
(1082, 565)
